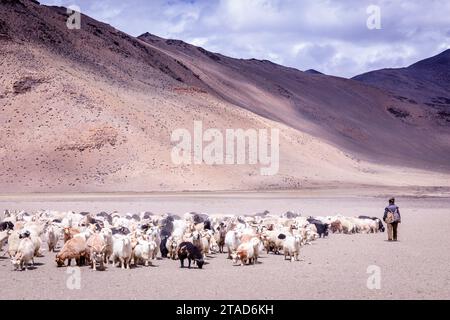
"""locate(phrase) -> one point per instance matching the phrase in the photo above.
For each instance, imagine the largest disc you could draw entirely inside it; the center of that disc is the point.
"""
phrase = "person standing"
(392, 218)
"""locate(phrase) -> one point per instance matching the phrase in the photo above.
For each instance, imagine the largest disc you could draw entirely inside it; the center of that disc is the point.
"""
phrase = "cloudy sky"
(329, 36)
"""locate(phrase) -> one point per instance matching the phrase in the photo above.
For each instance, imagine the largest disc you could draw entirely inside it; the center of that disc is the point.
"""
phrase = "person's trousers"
(392, 230)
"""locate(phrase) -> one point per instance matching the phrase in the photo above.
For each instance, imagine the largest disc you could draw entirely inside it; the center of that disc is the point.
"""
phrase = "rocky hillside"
(93, 110)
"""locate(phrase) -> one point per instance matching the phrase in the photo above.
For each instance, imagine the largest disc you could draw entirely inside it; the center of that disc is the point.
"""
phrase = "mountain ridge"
(426, 81)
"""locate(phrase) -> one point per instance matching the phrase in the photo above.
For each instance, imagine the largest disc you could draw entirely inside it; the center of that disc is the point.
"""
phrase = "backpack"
(390, 218)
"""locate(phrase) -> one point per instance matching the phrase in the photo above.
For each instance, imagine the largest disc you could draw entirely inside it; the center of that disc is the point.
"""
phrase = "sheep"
(245, 254)
(291, 247)
(256, 242)
(311, 235)
(24, 254)
(13, 242)
(76, 218)
(273, 240)
(371, 224)
(179, 228)
(143, 252)
(153, 249)
(201, 239)
(301, 222)
(87, 233)
(378, 221)
(122, 251)
(220, 238)
(148, 235)
(107, 236)
(37, 242)
(35, 228)
(206, 237)
(232, 241)
(95, 251)
(23, 216)
(172, 246)
(321, 228)
(302, 232)
(213, 246)
(362, 226)
(154, 235)
(52, 238)
(35, 238)
(348, 226)
(134, 240)
(67, 221)
(198, 241)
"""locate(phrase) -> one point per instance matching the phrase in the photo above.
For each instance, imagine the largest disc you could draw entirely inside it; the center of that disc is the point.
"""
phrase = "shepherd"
(392, 218)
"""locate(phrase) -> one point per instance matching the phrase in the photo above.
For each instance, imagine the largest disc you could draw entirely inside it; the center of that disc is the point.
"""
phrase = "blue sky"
(330, 36)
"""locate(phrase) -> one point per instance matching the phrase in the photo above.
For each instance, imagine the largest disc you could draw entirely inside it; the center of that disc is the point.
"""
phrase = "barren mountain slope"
(423, 81)
(359, 118)
(426, 82)
(94, 109)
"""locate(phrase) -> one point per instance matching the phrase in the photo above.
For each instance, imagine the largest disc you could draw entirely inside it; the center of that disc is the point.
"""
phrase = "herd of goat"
(133, 239)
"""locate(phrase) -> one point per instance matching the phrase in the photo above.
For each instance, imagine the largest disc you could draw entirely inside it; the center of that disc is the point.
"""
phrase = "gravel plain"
(416, 267)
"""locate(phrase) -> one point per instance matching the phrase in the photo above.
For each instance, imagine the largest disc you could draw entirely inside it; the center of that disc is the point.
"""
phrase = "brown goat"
(336, 227)
(75, 248)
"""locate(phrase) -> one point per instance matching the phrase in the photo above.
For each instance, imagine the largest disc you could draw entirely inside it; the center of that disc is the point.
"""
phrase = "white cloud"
(106, 11)
(329, 36)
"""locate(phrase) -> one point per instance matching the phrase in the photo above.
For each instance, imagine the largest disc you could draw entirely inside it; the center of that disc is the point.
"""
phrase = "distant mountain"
(345, 113)
(312, 71)
(93, 110)
(426, 82)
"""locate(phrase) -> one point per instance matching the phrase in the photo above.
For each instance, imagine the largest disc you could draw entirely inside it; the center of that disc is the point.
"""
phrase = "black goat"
(187, 250)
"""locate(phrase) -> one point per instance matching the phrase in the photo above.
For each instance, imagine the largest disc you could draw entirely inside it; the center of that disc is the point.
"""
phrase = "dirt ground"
(416, 267)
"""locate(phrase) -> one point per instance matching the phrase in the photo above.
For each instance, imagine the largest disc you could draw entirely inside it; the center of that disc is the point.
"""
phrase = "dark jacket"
(395, 210)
